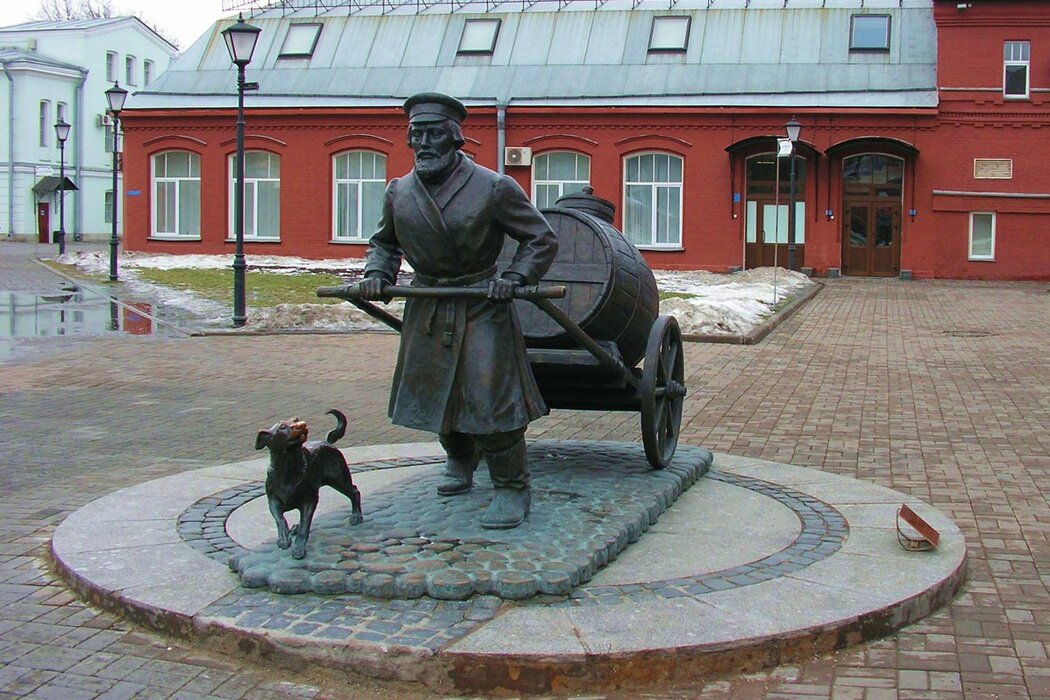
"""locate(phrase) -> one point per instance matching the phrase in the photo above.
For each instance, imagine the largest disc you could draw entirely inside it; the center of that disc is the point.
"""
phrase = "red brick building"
(919, 155)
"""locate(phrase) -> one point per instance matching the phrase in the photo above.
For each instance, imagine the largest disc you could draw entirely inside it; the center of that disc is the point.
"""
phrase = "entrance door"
(766, 239)
(871, 222)
(43, 222)
(766, 223)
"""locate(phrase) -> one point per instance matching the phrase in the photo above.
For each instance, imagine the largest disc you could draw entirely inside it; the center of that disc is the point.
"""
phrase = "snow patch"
(703, 302)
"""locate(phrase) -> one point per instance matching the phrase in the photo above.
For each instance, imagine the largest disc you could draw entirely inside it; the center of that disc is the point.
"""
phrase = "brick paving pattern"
(937, 389)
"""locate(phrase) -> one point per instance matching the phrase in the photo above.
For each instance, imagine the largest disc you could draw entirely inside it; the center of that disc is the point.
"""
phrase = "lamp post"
(115, 97)
(62, 133)
(240, 42)
(793, 129)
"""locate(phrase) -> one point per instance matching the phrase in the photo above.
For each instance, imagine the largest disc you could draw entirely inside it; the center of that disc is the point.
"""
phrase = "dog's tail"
(340, 429)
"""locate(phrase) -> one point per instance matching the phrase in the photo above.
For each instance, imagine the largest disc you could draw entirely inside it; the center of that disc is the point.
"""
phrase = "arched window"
(177, 194)
(262, 195)
(653, 200)
(558, 173)
(360, 181)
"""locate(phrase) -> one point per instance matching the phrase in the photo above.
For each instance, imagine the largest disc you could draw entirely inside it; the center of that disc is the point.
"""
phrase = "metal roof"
(573, 53)
(66, 24)
(15, 55)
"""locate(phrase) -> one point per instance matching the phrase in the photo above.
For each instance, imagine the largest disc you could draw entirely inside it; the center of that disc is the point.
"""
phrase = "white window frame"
(656, 187)
(251, 196)
(990, 256)
(45, 123)
(178, 181)
(669, 33)
(130, 70)
(854, 46)
(147, 73)
(564, 186)
(111, 66)
(479, 36)
(363, 229)
(1017, 54)
(107, 207)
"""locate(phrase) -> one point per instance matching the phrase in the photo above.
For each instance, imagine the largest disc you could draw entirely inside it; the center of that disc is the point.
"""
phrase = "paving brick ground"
(937, 389)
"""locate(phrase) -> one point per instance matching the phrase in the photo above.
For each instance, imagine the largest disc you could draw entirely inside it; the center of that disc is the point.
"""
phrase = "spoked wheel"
(662, 391)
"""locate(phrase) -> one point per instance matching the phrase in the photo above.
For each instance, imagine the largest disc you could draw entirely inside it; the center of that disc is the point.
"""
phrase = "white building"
(55, 70)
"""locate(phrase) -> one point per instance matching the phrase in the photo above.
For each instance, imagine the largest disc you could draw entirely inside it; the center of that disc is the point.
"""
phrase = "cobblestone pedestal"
(590, 501)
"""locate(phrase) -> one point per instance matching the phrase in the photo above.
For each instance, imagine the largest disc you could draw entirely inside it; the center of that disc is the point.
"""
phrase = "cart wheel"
(662, 391)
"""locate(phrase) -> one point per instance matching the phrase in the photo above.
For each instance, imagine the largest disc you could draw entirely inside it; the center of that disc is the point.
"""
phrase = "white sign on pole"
(783, 147)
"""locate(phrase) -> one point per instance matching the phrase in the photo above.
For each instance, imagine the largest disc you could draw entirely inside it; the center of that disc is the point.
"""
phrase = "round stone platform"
(757, 564)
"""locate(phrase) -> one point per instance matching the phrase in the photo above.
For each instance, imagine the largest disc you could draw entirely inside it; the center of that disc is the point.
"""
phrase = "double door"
(871, 237)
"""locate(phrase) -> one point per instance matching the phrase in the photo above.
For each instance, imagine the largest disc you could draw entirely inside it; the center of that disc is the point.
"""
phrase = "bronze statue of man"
(462, 370)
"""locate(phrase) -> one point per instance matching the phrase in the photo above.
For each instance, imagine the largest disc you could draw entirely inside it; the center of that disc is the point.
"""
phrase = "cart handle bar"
(528, 292)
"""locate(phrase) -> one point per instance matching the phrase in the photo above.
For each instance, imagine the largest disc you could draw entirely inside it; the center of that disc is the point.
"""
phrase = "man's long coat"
(462, 364)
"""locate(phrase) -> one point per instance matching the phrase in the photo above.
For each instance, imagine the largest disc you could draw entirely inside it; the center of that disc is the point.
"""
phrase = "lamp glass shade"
(240, 41)
(115, 97)
(793, 129)
(62, 130)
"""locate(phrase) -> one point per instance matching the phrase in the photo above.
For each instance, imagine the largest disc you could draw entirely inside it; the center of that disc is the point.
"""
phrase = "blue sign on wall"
(134, 193)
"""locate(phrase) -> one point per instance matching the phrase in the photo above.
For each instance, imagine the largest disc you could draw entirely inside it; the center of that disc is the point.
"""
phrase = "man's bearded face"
(434, 145)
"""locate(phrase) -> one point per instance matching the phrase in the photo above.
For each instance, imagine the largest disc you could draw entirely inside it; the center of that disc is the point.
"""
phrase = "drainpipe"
(78, 132)
(501, 134)
(10, 151)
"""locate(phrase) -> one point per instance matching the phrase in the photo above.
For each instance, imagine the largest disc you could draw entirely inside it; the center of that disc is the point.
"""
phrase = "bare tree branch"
(62, 10)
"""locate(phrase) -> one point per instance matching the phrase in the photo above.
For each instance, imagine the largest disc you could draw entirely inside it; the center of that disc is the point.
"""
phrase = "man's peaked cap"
(434, 107)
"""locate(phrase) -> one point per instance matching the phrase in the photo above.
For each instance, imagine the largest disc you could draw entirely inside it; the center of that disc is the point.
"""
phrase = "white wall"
(81, 85)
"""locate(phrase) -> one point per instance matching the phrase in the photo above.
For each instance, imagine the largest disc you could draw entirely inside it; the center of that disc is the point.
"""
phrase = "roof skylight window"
(300, 40)
(869, 33)
(669, 34)
(479, 36)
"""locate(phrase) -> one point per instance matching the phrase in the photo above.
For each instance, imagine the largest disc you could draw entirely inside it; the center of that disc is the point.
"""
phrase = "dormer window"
(669, 34)
(869, 33)
(300, 41)
(479, 36)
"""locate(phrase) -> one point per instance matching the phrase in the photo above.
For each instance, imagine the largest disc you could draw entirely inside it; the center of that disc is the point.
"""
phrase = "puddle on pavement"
(72, 312)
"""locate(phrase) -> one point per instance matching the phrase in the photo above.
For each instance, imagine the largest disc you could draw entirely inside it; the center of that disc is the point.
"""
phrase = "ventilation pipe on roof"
(501, 134)
(10, 151)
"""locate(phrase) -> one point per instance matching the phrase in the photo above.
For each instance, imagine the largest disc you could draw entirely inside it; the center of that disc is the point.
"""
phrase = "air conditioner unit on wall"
(517, 155)
(105, 119)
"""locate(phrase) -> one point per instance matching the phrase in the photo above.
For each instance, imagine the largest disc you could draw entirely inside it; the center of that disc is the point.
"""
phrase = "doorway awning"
(50, 183)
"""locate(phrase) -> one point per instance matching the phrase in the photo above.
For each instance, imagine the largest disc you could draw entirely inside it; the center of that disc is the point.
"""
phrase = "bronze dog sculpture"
(297, 471)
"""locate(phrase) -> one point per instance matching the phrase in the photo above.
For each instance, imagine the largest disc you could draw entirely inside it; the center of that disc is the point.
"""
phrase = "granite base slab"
(764, 563)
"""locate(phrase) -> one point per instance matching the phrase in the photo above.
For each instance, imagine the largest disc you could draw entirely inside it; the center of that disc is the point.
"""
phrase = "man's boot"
(460, 463)
(510, 477)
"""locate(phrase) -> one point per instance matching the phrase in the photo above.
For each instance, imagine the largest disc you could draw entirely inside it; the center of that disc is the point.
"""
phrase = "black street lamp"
(793, 129)
(62, 132)
(240, 42)
(115, 97)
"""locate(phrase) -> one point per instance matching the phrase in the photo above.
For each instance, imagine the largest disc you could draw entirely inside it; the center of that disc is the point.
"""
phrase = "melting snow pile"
(703, 302)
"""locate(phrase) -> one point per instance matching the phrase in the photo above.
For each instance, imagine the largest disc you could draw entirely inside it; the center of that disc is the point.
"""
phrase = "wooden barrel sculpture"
(611, 292)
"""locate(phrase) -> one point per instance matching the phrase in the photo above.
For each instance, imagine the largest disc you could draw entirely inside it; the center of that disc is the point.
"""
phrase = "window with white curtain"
(176, 189)
(262, 195)
(653, 200)
(359, 182)
(558, 173)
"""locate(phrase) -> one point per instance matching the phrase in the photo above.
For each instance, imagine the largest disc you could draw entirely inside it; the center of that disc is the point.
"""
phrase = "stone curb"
(759, 333)
(866, 589)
